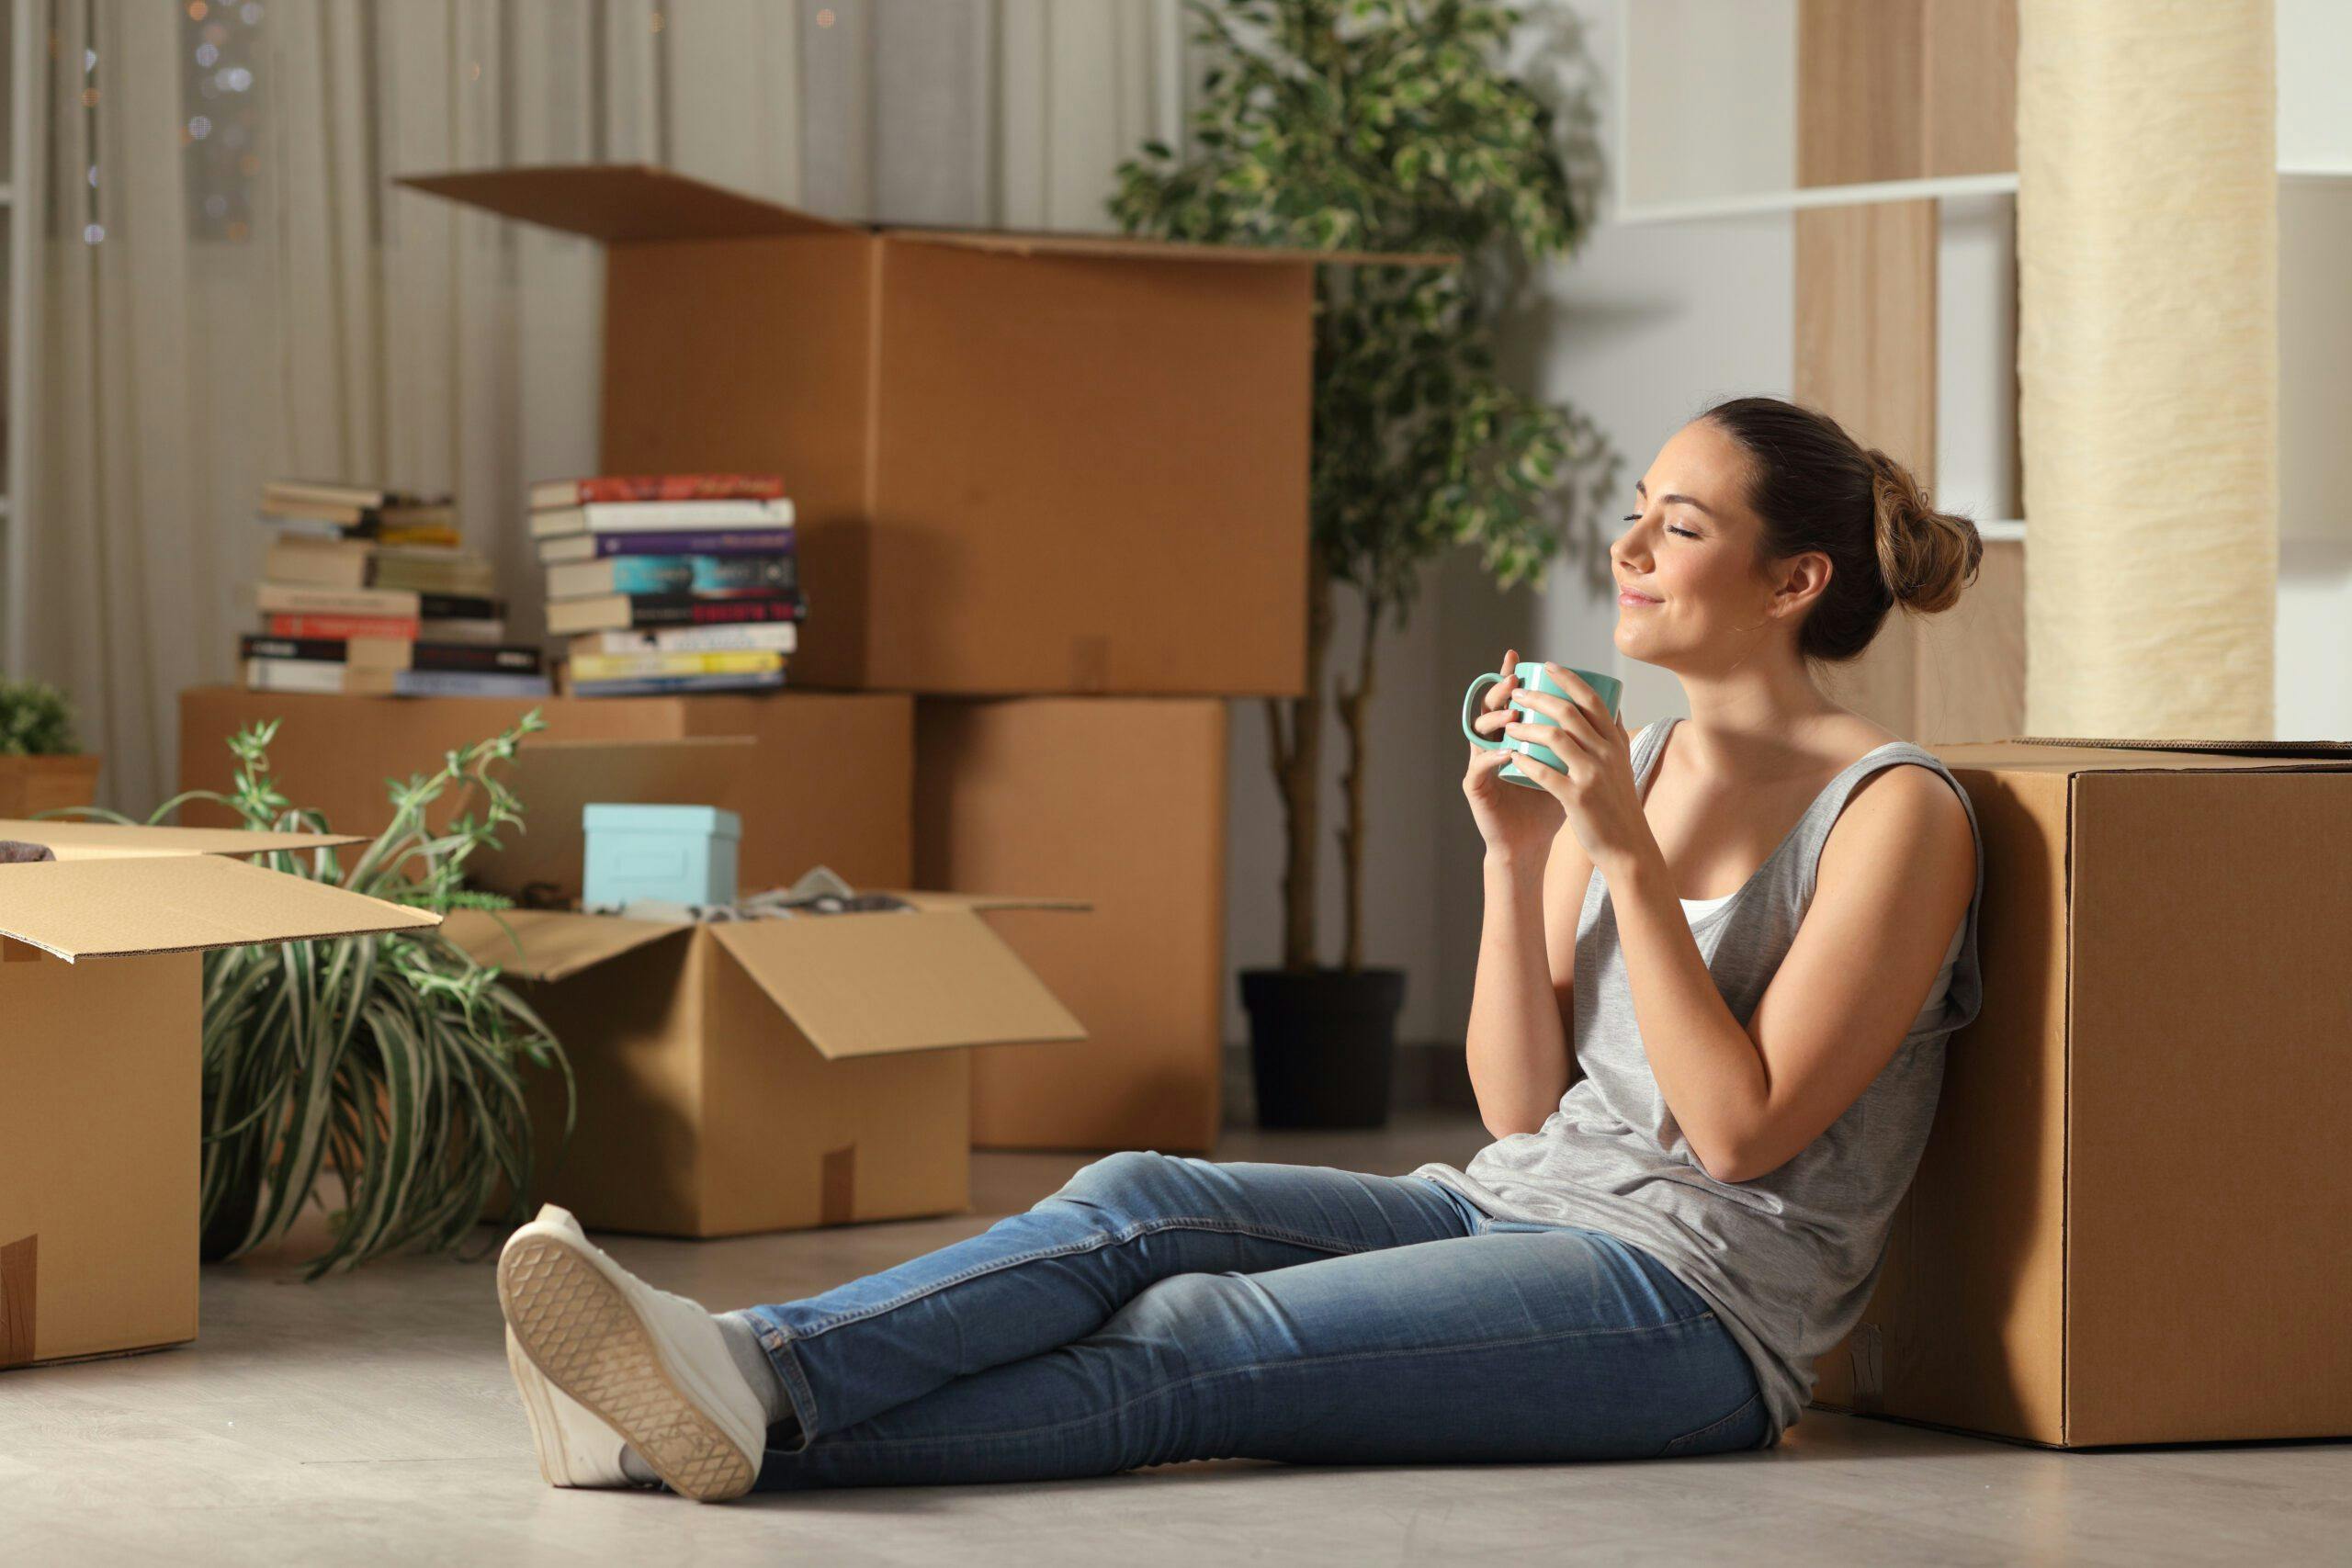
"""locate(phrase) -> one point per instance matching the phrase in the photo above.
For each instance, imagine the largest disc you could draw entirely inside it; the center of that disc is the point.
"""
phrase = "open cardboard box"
(101, 989)
(2133, 1222)
(972, 425)
(756, 1075)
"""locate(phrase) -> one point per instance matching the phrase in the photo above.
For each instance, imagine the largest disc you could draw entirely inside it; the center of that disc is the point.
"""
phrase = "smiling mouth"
(1627, 596)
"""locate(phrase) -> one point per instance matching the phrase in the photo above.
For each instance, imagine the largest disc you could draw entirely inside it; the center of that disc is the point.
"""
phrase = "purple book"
(736, 542)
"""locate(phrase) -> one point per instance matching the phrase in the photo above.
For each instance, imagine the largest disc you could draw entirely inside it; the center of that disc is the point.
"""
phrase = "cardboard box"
(827, 778)
(971, 426)
(101, 989)
(1121, 802)
(2131, 1222)
(766, 1075)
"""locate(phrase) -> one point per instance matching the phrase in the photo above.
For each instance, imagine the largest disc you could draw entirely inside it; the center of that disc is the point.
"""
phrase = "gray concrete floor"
(370, 1419)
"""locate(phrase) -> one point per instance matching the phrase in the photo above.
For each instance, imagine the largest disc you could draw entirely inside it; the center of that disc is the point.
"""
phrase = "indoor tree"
(1389, 126)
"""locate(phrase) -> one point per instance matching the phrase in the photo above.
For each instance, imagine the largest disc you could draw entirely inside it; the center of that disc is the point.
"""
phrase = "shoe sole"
(546, 1436)
(585, 1337)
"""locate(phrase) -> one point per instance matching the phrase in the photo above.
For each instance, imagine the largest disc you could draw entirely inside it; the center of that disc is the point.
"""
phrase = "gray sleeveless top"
(1787, 1260)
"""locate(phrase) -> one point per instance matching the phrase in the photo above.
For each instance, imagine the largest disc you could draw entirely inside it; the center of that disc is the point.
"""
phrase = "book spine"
(477, 657)
(458, 607)
(622, 517)
(737, 542)
(781, 637)
(665, 685)
(702, 574)
(340, 628)
(684, 610)
(467, 684)
(640, 666)
(279, 599)
(657, 486)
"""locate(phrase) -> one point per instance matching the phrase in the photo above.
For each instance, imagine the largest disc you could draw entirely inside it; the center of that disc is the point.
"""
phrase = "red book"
(550, 493)
(341, 628)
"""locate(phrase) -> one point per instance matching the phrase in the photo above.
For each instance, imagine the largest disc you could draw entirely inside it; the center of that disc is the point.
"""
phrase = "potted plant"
(395, 1060)
(1381, 125)
(40, 769)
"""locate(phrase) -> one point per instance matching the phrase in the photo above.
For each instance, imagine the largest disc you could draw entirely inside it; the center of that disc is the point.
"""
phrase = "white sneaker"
(650, 1366)
(575, 1448)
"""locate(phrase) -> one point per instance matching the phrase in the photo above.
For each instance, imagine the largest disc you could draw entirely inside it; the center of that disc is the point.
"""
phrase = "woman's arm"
(1518, 1045)
(1568, 877)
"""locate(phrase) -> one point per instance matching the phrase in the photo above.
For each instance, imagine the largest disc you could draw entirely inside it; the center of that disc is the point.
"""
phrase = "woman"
(1754, 927)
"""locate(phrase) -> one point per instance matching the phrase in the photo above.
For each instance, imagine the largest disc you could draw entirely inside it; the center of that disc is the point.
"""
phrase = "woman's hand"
(1517, 823)
(1595, 787)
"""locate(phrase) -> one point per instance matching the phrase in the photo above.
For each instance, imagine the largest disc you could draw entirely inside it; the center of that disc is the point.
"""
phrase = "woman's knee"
(1130, 1184)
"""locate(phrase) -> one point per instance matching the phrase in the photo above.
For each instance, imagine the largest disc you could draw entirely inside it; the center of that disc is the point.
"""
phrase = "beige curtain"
(215, 316)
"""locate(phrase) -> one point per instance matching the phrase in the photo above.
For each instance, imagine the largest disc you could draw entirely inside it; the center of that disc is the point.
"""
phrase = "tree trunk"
(1298, 763)
(1353, 705)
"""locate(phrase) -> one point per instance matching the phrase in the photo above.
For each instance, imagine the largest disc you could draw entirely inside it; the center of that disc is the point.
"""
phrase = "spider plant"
(394, 1060)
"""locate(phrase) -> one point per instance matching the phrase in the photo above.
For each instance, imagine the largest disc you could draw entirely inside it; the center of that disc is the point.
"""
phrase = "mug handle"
(1470, 702)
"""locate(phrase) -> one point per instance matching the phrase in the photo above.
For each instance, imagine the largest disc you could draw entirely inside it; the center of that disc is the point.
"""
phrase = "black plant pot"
(1323, 1045)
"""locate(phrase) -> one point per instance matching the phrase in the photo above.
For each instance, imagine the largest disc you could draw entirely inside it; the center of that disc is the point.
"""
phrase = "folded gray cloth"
(14, 852)
(819, 892)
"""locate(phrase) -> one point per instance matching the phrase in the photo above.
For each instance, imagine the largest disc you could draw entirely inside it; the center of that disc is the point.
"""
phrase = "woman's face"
(1686, 562)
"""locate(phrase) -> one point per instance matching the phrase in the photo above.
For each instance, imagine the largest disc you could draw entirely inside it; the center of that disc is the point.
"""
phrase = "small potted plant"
(41, 768)
(1383, 125)
(394, 1062)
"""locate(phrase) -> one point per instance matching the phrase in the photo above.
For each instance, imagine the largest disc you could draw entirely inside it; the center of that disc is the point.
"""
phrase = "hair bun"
(1927, 557)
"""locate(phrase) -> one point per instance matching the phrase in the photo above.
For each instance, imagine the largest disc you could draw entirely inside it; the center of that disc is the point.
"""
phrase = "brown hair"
(1815, 488)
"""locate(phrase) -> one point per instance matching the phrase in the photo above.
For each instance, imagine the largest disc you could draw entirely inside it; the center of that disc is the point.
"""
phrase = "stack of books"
(368, 590)
(669, 583)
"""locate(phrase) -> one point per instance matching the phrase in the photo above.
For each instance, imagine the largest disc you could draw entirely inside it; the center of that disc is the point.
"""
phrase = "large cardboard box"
(2133, 1222)
(972, 426)
(1120, 802)
(101, 994)
(749, 1074)
(827, 780)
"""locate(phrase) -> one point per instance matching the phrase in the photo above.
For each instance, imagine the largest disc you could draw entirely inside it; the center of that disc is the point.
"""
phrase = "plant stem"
(1300, 773)
(1353, 709)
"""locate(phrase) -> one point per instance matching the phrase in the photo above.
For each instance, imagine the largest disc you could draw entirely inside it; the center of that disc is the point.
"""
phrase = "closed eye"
(1637, 517)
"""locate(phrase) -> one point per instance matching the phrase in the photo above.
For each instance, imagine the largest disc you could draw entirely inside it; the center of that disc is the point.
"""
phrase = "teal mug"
(1530, 678)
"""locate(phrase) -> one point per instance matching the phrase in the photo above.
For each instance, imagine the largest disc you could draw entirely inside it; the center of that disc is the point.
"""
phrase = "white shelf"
(1806, 196)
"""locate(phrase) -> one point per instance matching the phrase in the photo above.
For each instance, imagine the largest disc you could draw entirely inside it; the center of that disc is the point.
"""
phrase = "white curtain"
(232, 288)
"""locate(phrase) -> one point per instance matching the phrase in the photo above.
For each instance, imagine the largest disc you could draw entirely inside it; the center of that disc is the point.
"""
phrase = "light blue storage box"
(682, 853)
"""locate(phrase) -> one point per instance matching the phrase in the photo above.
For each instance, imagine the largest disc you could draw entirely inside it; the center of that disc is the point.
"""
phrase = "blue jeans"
(1160, 1308)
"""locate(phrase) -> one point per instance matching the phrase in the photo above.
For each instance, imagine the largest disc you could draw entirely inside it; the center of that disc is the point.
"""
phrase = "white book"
(315, 675)
(779, 636)
(659, 516)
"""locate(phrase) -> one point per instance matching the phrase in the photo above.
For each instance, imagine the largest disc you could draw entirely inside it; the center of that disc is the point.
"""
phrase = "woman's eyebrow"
(1640, 487)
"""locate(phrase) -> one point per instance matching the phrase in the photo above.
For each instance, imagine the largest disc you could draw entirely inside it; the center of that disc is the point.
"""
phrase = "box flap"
(872, 984)
(557, 780)
(2054, 754)
(623, 201)
(548, 945)
(1123, 247)
(123, 906)
(108, 841)
(986, 901)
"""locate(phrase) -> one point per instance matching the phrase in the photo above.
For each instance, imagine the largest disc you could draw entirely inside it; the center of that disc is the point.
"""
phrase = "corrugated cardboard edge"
(98, 841)
(2235, 748)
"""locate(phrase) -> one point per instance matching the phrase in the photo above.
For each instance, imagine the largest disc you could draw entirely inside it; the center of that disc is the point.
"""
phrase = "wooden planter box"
(29, 785)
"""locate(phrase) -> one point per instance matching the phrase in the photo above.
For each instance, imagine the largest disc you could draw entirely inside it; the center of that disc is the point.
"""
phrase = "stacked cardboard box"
(102, 990)
(2129, 1223)
(1037, 479)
